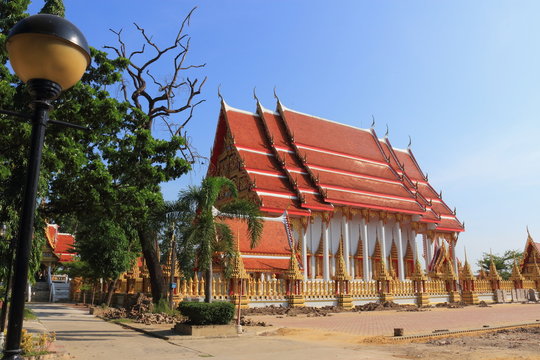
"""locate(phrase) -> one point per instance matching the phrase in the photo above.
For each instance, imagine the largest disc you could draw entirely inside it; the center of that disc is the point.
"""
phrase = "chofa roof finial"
(275, 94)
(219, 92)
(387, 131)
(255, 94)
(410, 143)
(373, 121)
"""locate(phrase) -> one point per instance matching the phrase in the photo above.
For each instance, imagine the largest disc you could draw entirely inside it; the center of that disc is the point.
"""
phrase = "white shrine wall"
(352, 229)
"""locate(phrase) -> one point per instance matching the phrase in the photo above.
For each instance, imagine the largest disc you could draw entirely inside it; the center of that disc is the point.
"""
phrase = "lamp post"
(49, 54)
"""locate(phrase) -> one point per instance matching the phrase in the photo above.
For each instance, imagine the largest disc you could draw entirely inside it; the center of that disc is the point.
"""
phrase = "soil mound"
(141, 312)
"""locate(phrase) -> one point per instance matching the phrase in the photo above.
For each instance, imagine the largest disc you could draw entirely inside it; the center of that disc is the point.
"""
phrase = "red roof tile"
(266, 265)
(64, 247)
(273, 238)
(329, 135)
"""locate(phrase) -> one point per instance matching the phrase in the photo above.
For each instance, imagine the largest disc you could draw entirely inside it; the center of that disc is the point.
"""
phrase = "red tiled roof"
(329, 135)
(273, 238)
(266, 265)
(61, 244)
(64, 247)
(300, 161)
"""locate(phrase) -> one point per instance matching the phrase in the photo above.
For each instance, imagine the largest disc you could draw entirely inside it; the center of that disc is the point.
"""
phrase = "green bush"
(216, 313)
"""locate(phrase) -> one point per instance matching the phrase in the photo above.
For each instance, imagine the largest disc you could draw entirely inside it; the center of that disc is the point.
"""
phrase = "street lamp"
(49, 54)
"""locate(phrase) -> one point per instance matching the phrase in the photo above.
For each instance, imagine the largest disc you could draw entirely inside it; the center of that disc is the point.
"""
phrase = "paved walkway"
(85, 337)
(374, 323)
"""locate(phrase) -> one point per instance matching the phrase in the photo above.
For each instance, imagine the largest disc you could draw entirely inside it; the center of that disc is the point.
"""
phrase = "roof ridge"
(323, 119)
(228, 107)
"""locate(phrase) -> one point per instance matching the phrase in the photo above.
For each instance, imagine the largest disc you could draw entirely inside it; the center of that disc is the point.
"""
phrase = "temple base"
(386, 297)
(469, 297)
(345, 301)
(296, 300)
(422, 299)
(244, 301)
(454, 296)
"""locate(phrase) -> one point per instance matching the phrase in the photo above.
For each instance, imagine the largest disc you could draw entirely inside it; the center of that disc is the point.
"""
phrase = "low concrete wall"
(205, 330)
(438, 299)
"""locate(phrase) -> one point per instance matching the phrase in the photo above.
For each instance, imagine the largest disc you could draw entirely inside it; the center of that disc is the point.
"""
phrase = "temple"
(343, 190)
(348, 219)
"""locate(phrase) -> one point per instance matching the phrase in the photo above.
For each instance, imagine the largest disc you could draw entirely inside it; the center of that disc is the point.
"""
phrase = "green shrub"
(216, 313)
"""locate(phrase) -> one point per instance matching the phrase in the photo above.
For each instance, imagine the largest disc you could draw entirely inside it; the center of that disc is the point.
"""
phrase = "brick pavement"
(374, 323)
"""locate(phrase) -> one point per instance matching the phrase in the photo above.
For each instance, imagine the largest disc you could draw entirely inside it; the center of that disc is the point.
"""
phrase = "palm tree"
(204, 235)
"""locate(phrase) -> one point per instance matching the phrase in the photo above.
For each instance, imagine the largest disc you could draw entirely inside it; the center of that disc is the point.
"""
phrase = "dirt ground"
(509, 344)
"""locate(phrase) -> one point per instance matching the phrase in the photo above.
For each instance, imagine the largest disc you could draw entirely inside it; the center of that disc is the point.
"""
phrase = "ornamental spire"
(383, 272)
(448, 271)
(467, 272)
(293, 272)
(341, 269)
(493, 273)
(239, 271)
(418, 273)
(516, 274)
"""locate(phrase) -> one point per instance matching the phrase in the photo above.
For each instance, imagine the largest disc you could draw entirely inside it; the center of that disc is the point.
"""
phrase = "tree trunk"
(110, 292)
(208, 296)
(173, 270)
(154, 267)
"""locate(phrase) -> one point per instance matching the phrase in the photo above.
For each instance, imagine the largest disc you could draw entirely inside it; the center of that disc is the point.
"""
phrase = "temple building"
(57, 249)
(530, 263)
(357, 206)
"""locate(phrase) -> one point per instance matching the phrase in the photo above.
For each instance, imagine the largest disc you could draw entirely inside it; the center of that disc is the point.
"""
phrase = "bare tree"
(171, 100)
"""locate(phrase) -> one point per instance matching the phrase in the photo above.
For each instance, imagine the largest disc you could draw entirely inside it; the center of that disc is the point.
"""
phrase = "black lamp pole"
(42, 91)
(31, 45)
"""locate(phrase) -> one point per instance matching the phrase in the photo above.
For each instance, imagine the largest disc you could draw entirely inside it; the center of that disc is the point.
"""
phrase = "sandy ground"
(520, 343)
(85, 337)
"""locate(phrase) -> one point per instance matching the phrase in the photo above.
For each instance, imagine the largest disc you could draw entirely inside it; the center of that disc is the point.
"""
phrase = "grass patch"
(162, 307)
(122, 321)
(29, 314)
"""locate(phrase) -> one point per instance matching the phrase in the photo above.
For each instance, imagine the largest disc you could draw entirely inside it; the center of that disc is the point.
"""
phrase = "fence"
(273, 289)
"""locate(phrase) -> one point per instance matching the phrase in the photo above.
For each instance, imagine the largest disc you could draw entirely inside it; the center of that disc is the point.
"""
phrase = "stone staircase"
(40, 292)
(61, 292)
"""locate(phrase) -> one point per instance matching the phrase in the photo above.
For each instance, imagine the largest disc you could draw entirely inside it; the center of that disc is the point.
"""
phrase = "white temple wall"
(352, 229)
(372, 233)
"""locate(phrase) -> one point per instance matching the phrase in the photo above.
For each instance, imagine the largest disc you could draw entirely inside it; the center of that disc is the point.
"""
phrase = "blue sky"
(462, 78)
